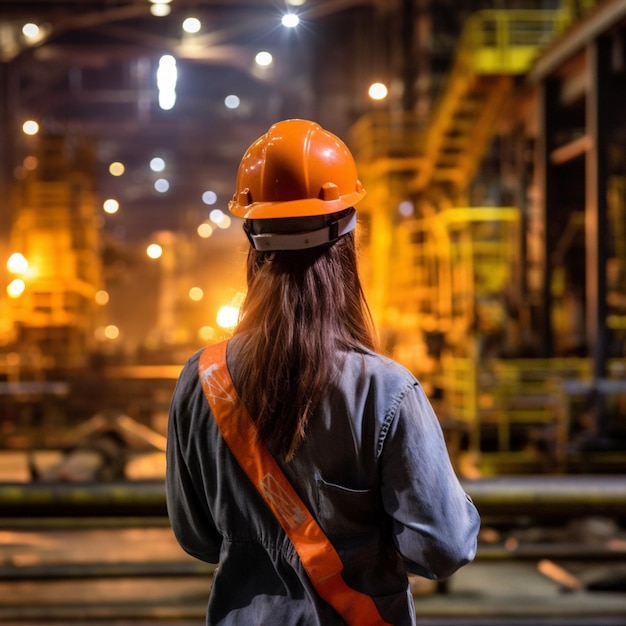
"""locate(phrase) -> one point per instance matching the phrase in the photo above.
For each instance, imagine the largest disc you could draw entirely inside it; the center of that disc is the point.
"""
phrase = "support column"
(548, 94)
(599, 115)
(6, 148)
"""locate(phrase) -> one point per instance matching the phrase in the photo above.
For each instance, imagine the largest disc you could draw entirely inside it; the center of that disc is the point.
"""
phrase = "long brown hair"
(301, 307)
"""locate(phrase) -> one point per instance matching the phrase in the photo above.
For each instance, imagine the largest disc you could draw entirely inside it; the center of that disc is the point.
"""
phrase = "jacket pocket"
(345, 511)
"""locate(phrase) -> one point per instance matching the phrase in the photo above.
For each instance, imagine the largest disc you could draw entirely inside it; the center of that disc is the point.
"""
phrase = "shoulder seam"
(390, 416)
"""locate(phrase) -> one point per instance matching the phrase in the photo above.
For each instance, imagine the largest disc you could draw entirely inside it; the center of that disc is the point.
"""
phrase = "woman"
(352, 430)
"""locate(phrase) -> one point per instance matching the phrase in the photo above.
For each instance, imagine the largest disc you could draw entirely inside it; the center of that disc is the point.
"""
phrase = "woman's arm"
(435, 524)
(188, 510)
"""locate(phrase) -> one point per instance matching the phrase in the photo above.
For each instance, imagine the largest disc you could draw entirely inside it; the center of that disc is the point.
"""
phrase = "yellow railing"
(508, 394)
(387, 135)
(506, 42)
(497, 44)
(493, 42)
(445, 260)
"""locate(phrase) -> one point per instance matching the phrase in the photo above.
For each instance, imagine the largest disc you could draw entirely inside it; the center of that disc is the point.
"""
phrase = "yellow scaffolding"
(439, 282)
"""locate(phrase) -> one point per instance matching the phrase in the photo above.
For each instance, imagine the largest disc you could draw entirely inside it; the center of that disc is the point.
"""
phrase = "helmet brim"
(305, 207)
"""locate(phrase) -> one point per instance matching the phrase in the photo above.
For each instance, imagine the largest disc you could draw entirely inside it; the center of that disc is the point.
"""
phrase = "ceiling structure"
(93, 73)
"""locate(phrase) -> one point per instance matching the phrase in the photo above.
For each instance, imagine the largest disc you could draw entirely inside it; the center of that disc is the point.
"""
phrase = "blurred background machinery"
(496, 271)
(493, 233)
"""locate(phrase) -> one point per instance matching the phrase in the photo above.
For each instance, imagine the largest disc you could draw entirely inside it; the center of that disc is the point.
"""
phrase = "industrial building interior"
(492, 245)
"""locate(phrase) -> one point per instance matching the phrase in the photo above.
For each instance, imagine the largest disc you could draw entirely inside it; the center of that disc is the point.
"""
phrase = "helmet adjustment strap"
(301, 241)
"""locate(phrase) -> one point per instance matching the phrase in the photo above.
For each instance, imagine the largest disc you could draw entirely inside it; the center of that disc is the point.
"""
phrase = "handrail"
(387, 134)
(492, 42)
(507, 41)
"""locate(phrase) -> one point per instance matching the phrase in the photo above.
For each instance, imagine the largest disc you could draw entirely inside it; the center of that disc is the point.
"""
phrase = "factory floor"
(139, 576)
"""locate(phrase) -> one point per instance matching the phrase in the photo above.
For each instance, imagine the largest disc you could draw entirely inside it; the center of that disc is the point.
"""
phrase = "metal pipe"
(550, 496)
(83, 571)
(104, 499)
(532, 496)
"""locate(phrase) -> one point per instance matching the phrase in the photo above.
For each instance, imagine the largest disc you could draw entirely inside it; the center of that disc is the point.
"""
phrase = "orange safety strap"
(318, 556)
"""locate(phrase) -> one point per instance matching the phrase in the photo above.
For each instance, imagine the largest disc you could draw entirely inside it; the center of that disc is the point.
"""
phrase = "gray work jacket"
(373, 470)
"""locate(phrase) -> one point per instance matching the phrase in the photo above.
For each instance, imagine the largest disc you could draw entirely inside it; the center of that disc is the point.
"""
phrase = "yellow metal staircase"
(494, 46)
(441, 281)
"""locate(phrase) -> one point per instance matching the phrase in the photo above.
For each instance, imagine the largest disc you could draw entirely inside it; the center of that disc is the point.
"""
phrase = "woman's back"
(355, 471)
(352, 430)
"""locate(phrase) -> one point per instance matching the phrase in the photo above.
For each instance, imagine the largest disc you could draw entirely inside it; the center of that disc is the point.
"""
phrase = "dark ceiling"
(94, 74)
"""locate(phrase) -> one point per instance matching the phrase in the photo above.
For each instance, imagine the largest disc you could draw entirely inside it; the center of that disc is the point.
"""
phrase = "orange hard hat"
(296, 169)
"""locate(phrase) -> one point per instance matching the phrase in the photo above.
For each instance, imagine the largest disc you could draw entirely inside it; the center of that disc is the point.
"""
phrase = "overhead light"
(111, 206)
(192, 25)
(232, 101)
(154, 251)
(227, 316)
(111, 331)
(263, 58)
(32, 32)
(116, 168)
(30, 127)
(196, 294)
(16, 288)
(209, 197)
(101, 297)
(160, 9)
(290, 20)
(167, 75)
(377, 91)
(205, 230)
(17, 263)
(406, 208)
(162, 185)
(157, 164)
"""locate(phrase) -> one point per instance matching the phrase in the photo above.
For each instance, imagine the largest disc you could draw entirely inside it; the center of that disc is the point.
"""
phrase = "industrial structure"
(493, 237)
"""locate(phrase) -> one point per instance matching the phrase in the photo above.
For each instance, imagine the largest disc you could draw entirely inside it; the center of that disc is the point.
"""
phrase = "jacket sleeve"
(435, 523)
(187, 506)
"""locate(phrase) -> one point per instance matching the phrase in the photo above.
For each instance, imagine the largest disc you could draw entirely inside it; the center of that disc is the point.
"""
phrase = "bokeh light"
(111, 331)
(209, 197)
(154, 251)
(263, 58)
(227, 316)
(30, 30)
(157, 164)
(232, 101)
(290, 20)
(205, 230)
(116, 168)
(196, 294)
(377, 91)
(17, 263)
(101, 297)
(192, 25)
(160, 9)
(162, 185)
(30, 127)
(111, 206)
(16, 288)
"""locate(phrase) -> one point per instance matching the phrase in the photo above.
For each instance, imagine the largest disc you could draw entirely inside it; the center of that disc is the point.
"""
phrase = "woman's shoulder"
(378, 369)
(188, 377)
